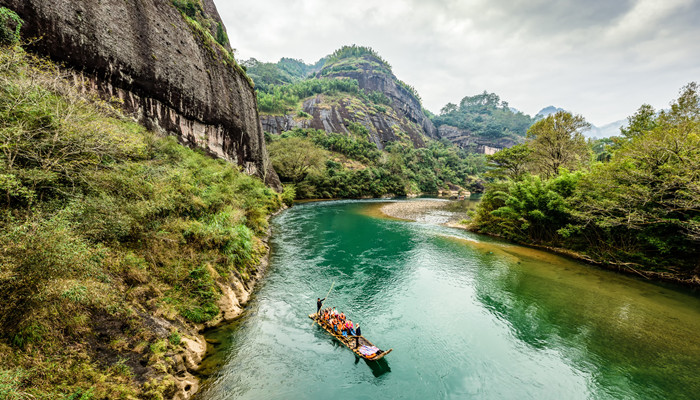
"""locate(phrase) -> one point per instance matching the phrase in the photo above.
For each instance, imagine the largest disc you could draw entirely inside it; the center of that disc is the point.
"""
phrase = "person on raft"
(319, 304)
(340, 324)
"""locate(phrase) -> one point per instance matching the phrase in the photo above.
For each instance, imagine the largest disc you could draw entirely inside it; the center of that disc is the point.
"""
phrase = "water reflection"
(595, 320)
(468, 317)
(378, 368)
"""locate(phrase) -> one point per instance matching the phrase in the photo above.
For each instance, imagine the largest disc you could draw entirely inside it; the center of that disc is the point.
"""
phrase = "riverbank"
(438, 211)
(527, 323)
(236, 294)
(113, 263)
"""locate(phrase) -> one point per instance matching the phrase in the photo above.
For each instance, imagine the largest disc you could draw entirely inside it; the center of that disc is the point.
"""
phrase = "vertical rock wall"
(173, 77)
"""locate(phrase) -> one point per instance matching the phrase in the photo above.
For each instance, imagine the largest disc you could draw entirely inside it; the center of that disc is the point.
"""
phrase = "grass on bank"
(103, 226)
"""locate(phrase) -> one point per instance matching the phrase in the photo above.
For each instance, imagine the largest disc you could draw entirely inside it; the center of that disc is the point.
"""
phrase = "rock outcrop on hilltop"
(475, 143)
(371, 79)
(402, 118)
(168, 71)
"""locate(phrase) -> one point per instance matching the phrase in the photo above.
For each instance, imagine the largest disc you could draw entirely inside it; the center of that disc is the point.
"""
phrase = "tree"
(449, 107)
(642, 121)
(483, 100)
(646, 201)
(511, 162)
(557, 142)
(603, 149)
(293, 158)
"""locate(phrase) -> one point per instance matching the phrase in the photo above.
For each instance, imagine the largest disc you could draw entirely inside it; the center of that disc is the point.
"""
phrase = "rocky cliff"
(371, 78)
(475, 143)
(343, 114)
(166, 68)
(401, 117)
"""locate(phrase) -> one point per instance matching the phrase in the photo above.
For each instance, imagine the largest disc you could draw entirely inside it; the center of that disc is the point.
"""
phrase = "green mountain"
(287, 70)
(354, 86)
(482, 123)
(363, 131)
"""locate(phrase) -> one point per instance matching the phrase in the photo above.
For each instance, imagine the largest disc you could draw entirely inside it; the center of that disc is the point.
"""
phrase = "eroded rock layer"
(402, 118)
(166, 70)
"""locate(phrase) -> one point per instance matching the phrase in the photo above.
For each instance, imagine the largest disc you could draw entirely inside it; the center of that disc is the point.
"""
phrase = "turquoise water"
(468, 317)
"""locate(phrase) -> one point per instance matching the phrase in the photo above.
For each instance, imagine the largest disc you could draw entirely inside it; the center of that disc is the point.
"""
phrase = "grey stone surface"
(474, 143)
(170, 77)
(405, 115)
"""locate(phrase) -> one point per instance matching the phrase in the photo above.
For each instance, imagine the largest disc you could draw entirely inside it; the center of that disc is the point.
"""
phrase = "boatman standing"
(319, 304)
(358, 333)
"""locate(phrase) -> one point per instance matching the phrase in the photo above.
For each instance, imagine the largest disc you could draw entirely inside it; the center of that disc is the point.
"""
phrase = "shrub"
(10, 26)
(175, 338)
(221, 36)
(191, 8)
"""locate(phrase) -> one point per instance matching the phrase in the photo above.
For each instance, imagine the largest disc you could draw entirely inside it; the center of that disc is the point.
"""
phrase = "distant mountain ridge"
(596, 132)
(547, 111)
(293, 94)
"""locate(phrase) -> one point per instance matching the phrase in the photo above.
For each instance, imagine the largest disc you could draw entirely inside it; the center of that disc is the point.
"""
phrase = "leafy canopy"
(557, 142)
(485, 115)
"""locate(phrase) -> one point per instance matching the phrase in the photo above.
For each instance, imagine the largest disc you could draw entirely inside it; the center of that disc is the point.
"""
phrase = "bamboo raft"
(349, 342)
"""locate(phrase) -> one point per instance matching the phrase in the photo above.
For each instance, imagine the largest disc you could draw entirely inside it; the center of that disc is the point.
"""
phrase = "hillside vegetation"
(106, 229)
(636, 205)
(367, 143)
(318, 164)
(282, 86)
(485, 115)
(287, 70)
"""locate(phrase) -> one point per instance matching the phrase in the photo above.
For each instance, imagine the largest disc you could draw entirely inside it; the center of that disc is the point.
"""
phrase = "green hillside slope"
(114, 243)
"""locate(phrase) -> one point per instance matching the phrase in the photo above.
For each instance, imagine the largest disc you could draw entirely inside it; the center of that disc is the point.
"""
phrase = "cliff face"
(474, 143)
(372, 79)
(401, 118)
(173, 76)
(337, 114)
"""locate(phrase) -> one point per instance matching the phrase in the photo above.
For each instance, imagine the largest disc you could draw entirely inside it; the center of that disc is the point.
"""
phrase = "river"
(468, 317)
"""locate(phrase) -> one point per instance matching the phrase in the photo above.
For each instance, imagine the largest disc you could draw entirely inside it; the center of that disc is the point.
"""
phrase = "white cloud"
(599, 58)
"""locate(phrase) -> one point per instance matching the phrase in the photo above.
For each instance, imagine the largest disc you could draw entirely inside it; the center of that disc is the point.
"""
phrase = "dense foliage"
(10, 26)
(485, 115)
(354, 52)
(635, 205)
(287, 70)
(101, 225)
(281, 99)
(331, 165)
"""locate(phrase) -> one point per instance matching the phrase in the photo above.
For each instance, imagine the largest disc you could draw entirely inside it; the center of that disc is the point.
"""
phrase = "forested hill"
(352, 86)
(287, 70)
(483, 122)
(348, 127)
(355, 85)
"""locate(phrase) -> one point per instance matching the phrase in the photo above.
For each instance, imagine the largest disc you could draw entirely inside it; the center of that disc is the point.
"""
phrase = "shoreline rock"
(235, 297)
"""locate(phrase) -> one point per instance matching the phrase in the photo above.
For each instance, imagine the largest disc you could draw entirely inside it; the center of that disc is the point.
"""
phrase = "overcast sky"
(598, 58)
